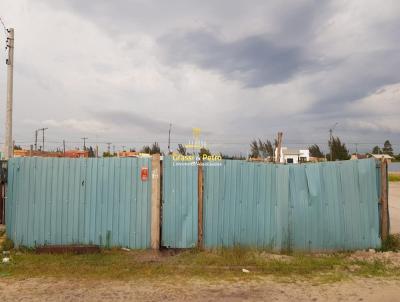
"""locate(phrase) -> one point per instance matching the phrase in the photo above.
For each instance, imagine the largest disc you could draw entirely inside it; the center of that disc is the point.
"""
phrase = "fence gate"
(179, 204)
(102, 201)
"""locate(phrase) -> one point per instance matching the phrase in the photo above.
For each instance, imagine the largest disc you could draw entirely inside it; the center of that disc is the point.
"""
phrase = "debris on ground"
(6, 260)
(391, 257)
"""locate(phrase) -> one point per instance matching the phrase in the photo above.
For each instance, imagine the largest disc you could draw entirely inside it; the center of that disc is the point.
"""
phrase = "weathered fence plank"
(79, 201)
(310, 207)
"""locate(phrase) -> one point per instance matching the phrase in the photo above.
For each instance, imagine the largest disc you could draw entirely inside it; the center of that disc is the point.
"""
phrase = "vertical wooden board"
(82, 204)
(313, 182)
(122, 230)
(30, 198)
(384, 200)
(133, 223)
(104, 199)
(140, 205)
(87, 200)
(42, 202)
(282, 191)
(300, 208)
(200, 220)
(146, 206)
(48, 203)
(75, 184)
(10, 203)
(230, 201)
(179, 208)
(364, 192)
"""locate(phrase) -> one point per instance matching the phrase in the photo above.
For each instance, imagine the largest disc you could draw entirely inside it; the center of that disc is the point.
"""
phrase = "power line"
(4, 26)
(287, 142)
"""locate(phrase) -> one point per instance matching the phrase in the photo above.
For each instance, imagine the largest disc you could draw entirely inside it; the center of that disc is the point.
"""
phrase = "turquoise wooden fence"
(179, 204)
(309, 207)
(70, 201)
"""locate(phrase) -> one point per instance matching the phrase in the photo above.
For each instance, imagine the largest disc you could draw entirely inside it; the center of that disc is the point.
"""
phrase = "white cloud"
(82, 126)
(74, 59)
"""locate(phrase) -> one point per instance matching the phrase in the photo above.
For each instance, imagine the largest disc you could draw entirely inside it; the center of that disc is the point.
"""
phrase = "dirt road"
(187, 290)
(394, 207)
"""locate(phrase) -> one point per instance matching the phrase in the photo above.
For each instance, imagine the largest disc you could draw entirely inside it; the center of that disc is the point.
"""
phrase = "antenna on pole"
(43, 129)
(331, 138)
(169, 139)
(36, 136)
(84, 142)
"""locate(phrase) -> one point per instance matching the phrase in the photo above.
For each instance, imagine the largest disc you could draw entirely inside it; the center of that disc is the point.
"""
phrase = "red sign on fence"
(144, 174)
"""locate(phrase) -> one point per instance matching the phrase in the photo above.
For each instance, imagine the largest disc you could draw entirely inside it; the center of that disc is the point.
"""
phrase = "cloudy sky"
(121, 71)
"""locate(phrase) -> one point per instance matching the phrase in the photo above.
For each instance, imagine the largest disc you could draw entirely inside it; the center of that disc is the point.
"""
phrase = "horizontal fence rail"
(79, 201)
(310, 207)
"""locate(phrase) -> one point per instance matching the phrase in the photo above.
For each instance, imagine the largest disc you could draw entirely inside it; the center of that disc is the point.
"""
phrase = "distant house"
(128, 154)
(358, 156)
(381, 156)
(35, 153)
(292, 156)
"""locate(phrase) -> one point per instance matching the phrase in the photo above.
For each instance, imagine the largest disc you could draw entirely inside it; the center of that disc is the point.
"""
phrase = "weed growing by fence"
(392, 243)
(220, 264)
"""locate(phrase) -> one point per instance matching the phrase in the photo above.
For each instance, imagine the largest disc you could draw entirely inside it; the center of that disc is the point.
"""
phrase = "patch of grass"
(376, 268)
(392, 243)
(6, 245)
(221, 264)
(394, 177)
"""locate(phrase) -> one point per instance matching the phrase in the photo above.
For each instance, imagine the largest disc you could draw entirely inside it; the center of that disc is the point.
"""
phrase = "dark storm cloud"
(130, 119)
(254, 60)
(256, 43)
(356, 77)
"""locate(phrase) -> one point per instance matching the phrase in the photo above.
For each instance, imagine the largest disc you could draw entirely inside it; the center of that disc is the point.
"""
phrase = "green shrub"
(7, 245)
(392, 243)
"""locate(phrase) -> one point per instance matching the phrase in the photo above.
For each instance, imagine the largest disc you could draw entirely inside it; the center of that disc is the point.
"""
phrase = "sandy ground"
(263, 290)
(394, 207)
(360, 289)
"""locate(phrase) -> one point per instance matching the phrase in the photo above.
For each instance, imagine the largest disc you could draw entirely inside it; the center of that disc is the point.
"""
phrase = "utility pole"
(169, 139)
(64, 147)
(36, 135)
(8, 147)
(279, 147)
(331, 140)
(84, 142)
(108, 148)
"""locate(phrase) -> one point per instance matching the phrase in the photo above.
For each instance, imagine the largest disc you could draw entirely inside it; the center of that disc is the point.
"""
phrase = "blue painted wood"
(91, 201)
(307, 207)
(179, 205)
(311, 207)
